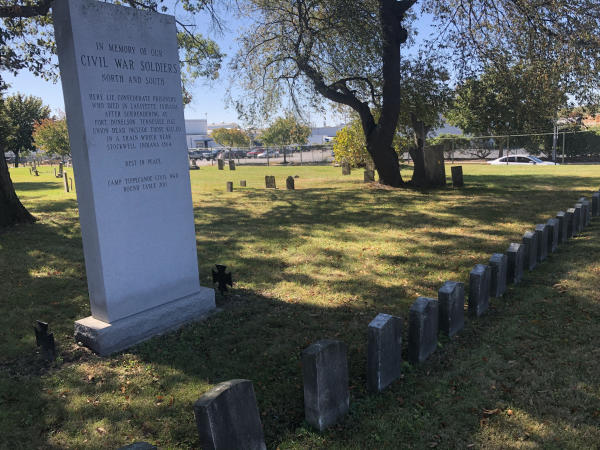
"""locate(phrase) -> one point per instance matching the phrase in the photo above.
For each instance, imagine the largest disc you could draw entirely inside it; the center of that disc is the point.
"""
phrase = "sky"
(208, 96)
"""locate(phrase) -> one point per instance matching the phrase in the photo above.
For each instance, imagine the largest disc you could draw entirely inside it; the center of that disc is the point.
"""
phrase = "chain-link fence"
(564, 146)
(296, 155)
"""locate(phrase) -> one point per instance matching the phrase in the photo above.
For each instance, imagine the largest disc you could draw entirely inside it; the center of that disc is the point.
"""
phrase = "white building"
(196, 134)
(323, 135)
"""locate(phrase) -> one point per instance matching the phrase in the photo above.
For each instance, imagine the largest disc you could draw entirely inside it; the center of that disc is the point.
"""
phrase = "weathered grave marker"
(222, 277)
(122, 87)
(231, 164)
(384, 353)
(541, 231)
(45, 340)
(221, 164)
(586, 210)
(479, 289)
(577, 219)
(325, 376)
(227, 417)
(243, 183)
(423, 325)
(530, 244)
(289, 183)
(194, 164)
(515, 255)
(457, 176)
(369, 176)
(596, 204)
(498, 265)
(66, 181)
(562, 226)
(570, 222)
(451, 298)
(346, 168)
(229, 186)
(553, 230)
(270, 182)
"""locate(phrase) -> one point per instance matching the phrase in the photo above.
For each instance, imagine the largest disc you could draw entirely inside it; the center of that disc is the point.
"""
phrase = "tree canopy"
(230, 137)
(52, 137)
(286, 131)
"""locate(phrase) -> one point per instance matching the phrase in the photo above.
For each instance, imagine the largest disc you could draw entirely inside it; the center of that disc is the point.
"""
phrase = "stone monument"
(121, 81)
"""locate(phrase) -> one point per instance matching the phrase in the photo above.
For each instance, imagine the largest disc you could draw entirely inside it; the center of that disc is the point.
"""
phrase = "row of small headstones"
(227, 416)
(369, 174)
(269, 183)
(68, 181)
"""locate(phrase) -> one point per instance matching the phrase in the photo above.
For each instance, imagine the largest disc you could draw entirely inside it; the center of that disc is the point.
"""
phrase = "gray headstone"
(562, 226)
(230, 186)
(270, 182)
(289, 183)
(578, 219)
(479, 289)
(499, 266)
(384, 354)
(541, 231)
(570, 222)
(423, 325)
(121, 79)
(451, 298)
(369, 176)
(243, 183)
(596, 204)
(587, 207)
(231, 164)
(457, 176)
(553, 230)
(346, 168)
(514, 254)
(530, 244)
(227, 417)
(66, 181)
(221, 164)
(325, 376)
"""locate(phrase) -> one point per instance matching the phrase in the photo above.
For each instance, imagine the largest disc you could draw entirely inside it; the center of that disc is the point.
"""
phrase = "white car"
(268, 154)
(521, 160)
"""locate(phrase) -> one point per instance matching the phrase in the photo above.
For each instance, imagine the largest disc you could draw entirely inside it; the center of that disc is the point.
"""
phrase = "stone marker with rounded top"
(541, 231)
(423, 326)
(227, 417)
(325, 377)
(498, 265)
(514, 255)
(289, 183)
(530, 242)
(133, 182)
(479, 289)
(369, 176)
(553, 230)
(562, 226)
(243, 183)
(570, 222)
(221, 164)
(384, 353)
(230, 186)
(231, 164)
(451, 298)
(346, 168)
(596, 204)
(457, 176)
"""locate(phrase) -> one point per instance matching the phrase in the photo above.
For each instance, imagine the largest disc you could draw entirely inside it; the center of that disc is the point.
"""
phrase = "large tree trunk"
(386, 162)
(12, 211)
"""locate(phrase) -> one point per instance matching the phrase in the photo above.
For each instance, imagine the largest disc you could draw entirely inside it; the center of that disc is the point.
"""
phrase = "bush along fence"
(227, 416)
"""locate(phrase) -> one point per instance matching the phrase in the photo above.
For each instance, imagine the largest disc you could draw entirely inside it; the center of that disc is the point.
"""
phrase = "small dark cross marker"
(45, 340)
(222, 277)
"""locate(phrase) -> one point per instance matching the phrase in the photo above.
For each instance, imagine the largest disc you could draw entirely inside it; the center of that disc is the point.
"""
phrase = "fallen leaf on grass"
(490, 412)
(101, 430)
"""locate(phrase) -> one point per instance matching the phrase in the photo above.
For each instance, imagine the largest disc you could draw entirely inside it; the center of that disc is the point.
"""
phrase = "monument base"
(106, 338)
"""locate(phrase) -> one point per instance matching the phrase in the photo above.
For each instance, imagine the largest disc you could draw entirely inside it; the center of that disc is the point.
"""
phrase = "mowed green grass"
(318, 262)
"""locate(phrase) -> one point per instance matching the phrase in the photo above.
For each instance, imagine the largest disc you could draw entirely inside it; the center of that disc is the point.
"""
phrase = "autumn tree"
(349, 53)
(230, 137)
(349, 145)
(52, 137)
(286, 131)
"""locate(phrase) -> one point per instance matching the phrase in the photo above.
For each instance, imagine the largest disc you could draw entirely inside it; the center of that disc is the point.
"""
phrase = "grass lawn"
(318, 262)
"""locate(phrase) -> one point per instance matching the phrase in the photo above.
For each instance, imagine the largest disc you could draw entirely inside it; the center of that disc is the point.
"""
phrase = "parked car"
(521, 160)
(269, 154)
(254, 153)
